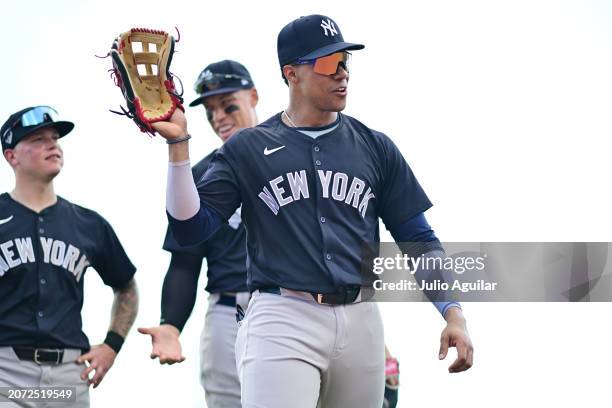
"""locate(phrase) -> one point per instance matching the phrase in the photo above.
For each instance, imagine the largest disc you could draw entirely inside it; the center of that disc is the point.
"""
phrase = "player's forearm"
(432, 275)
(179, 290)
(190, 221)
(182, 199)
(125, 309)
(178, 152)
(419, 240)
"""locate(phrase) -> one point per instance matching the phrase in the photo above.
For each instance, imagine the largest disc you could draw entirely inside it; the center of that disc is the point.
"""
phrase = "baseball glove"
(141, 62)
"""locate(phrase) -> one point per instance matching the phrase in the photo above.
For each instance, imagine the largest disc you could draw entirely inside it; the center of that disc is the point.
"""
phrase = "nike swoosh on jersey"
(4, 221)
(269, 152)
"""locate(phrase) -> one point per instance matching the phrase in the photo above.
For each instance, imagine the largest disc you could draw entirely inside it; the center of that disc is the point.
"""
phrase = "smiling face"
(228, 113)
(38, 156)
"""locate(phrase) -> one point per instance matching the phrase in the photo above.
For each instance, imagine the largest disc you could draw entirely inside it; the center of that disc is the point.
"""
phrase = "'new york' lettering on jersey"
(310, 206)
(43, 258)
(332, 185)
(14, 253)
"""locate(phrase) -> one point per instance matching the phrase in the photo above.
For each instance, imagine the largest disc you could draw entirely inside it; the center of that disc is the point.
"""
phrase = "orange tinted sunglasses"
(328, 65)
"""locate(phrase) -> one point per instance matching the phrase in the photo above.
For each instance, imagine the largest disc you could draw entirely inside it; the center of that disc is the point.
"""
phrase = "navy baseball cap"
(221, 77)
(311, 37)
(29, 120)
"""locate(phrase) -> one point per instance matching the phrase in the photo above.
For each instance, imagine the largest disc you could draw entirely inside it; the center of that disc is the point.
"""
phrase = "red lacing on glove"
(148, 30)
(145, 126)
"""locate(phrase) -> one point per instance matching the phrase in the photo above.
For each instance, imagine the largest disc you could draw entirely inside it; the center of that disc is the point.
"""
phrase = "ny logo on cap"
(205, 79)
(209, 81)
(206, 75)
(8, 136)
(329, 25)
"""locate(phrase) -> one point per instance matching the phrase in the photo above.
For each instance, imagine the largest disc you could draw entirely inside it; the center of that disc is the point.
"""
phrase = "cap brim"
(332, 48)
(200, 99)
(63, 127)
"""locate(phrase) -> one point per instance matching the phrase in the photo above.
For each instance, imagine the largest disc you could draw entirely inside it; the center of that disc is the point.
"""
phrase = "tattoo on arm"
(125, 308)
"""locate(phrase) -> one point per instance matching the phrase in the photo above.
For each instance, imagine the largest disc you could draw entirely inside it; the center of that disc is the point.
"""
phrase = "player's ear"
(9, 155)
(254, 97)
(290, 73)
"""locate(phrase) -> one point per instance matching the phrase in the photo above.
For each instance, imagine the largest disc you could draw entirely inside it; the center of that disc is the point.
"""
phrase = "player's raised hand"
(99, 359)
(166, 343)
(175, 128)
(456, 335)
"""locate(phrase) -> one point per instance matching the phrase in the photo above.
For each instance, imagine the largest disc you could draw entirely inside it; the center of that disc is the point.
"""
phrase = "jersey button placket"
(322, 220)
(318, 163)
(43, 292)
(40, 219)
(317, 149)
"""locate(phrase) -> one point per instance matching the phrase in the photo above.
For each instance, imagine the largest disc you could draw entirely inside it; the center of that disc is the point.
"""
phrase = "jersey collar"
(26, 209)
(339, 122)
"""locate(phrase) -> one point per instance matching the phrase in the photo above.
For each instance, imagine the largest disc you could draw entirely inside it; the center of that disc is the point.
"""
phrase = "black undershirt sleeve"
(180, 289)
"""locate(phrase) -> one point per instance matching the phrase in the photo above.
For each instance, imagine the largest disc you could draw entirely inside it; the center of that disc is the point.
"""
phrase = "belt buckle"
(338, 298)
(57, 351)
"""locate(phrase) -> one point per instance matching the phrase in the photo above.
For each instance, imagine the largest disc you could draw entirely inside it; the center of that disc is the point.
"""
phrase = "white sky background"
(503, 110)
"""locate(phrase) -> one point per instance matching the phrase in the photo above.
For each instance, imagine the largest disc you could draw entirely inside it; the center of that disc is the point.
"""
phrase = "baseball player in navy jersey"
(229, 97)
(46, 245)
(312, 184)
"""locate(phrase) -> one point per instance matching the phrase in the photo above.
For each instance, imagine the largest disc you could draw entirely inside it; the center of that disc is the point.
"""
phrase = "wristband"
(179, 140)
(114, 341)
